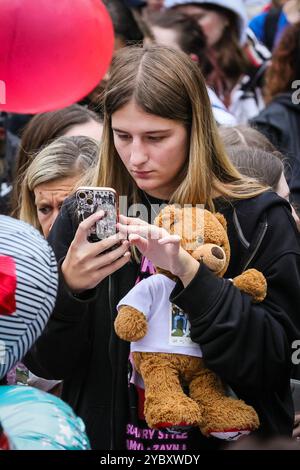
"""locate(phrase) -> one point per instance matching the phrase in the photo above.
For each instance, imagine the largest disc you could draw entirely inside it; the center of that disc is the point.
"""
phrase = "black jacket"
(248, 345)
(280, 123)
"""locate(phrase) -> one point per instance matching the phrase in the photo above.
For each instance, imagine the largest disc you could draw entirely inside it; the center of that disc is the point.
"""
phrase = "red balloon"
(52, 52)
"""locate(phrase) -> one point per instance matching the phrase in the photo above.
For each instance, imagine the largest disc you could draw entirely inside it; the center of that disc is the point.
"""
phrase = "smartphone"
(90, 200)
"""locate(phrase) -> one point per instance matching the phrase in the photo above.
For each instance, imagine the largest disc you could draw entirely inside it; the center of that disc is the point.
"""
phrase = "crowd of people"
(200, 106)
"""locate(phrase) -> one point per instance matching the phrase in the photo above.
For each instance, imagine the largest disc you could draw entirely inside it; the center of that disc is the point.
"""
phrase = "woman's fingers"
(146, 231)
(99, 247)
(111, 268)
(111, 256)
(85, 226)
(131, 220)
(82, 271)
(140, 242)
(100, 273)
(169, 239)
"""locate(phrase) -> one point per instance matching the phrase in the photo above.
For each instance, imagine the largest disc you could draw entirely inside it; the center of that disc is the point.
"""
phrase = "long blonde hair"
(63, 158)
(166, 83)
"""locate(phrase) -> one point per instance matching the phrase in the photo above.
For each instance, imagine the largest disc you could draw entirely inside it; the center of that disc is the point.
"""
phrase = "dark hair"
(42, 129)
(265, 167)
(285, 65)
(277, 3)
(191, 38)
(124, 20)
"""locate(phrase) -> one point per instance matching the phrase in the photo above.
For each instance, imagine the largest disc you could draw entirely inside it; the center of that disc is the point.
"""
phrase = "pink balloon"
(52, 52)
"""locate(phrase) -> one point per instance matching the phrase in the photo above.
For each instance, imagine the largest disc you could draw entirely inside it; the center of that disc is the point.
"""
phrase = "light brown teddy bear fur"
(204, 236)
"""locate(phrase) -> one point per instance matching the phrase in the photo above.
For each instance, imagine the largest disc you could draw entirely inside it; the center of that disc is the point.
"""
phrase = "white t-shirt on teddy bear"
(168, 326)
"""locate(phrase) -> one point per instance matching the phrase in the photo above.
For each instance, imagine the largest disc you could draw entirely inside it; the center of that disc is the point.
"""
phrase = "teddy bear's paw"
(229, 419)
(130, 324)
(180, 411)
(253, 283)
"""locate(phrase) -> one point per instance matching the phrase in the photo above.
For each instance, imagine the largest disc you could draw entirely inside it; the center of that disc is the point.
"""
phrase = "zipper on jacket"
(112, 415)
(259, 242)
(239, 230)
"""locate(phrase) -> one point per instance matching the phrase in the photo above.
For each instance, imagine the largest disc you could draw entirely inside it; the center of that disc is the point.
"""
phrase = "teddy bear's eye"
(199, 240)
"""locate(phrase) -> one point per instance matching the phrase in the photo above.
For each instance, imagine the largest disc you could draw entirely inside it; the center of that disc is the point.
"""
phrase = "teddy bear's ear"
(221, 219)
(168, 216)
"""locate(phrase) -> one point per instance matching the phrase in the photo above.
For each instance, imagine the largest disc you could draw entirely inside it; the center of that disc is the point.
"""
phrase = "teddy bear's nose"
(217, 252)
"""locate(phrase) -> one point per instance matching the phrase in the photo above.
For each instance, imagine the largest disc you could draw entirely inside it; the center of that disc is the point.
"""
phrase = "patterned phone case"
(90, 200)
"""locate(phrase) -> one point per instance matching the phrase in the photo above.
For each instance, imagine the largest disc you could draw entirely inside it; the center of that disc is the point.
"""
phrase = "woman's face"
(49, 198)
(152, 148)
(212, 23)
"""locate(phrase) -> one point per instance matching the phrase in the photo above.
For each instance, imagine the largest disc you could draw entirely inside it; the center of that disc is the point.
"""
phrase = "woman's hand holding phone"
(86, 264)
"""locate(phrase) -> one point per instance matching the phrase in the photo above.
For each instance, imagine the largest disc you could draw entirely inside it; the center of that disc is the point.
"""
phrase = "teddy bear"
(162, 350)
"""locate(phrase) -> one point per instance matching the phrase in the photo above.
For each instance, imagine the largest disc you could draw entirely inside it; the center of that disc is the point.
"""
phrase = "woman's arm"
(245, 343)
(65, 342)
(65, 339)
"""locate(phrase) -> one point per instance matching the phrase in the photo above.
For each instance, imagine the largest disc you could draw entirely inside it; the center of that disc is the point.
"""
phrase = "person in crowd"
(44, 128)
(160, 145)
(48, 180)
(280, 120)
(9, 143)
(127, 30)
(269, 25)
(271, 170)
(266, 167)
(51, 176)
(239, 65)
(174, 29)
(246, 136)
(254, 155)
